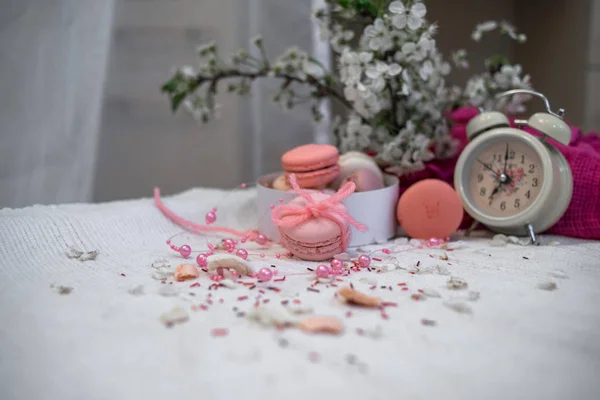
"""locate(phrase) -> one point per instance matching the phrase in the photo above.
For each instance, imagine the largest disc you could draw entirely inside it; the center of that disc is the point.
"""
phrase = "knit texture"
(101, 342)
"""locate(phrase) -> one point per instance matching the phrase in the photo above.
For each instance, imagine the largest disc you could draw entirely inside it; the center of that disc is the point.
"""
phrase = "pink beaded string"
(294, 216)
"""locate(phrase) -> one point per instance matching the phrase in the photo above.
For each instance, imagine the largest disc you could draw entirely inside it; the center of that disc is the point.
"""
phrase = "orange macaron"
(429, 209)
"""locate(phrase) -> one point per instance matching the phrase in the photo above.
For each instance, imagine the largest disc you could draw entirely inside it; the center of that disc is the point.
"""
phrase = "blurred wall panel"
(457, 19)
(143, 144)
(52, 70)
(592, 105)
(556, 52)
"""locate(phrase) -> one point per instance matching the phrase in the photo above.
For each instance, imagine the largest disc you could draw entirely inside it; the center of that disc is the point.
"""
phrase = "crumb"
(321, 325)
(456, 283)
(185, 272)
(90, 255)
(63, 290)
(219, 332)
(355, 297)
(444, 257)
(428, 322)
(459, 307)
(177, 315)
(549, 286)
(351, 359)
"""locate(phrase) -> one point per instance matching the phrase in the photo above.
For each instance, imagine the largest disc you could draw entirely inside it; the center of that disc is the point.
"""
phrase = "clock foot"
(532, 235)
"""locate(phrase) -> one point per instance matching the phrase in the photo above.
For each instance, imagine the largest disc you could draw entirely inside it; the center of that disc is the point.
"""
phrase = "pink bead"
(201, 260)
(168, 241)
(244, 240)
(386, 251)
(322, 271)
(265, 275)
(229, 244)
(262, 255)
(234, 273)
(435, 242)
(185, 251)
(277, 255)
(336, 264)
(261, 239)
(364, 261)
(210, 217)
(242, 253)
(243, 186)
(281, 199)
(272, 206)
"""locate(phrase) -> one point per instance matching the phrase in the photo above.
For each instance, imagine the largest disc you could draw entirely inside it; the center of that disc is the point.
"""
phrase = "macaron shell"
(429, 209)
(317, 178)
(310, 157)
(352, 161)
(365, 180)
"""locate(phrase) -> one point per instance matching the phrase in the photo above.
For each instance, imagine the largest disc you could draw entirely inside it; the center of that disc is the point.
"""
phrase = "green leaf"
(176, 100)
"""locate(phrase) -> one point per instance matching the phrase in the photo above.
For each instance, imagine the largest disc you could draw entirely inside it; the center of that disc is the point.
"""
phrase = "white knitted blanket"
(102, 342)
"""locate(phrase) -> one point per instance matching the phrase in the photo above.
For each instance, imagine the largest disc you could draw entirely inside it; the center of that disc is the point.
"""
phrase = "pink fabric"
(582, 218)
(289, 215)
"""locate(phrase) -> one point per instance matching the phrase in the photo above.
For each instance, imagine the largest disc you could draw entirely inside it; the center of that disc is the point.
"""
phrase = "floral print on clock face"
(522, 168)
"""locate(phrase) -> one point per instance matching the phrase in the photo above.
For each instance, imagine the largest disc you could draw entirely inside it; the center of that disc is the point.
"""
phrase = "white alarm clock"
(511, 181)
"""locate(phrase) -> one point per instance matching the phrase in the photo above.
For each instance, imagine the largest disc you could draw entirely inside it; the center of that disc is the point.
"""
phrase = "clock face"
(506, 178)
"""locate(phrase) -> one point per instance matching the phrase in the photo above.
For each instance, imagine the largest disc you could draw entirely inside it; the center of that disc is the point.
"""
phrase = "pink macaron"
(314, 164)
(316, 239)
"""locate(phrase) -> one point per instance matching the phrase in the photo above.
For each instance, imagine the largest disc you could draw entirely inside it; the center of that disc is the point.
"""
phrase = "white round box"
(376, 209)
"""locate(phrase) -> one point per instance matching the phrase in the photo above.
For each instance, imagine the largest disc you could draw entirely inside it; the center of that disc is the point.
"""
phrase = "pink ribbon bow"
(289, 215)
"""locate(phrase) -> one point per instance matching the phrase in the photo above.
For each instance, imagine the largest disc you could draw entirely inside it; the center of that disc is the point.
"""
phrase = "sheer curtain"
(52, 67)
(82, 117)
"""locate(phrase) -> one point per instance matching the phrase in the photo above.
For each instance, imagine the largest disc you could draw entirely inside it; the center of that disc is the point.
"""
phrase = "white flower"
(445, 68)
(414, 18)
(188, 71)
(394, 69)
(459, 58)
(426, 70)
(365, 57)
(480, 29)
(312, 68)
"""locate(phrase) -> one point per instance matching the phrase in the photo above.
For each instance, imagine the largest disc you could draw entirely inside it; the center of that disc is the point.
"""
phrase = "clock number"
(523, 159)
(503, 206)
(497, 157)
(531, 168)
(511, 155)
(528, 194)
(517, 203)
(479, 177)
(535, 182)
(482, 191)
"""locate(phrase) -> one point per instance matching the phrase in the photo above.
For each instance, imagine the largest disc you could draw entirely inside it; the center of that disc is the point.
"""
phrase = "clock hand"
(505, 158)
(496, 190)
(487, 167)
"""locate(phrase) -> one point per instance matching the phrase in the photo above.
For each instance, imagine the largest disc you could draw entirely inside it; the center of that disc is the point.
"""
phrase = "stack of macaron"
(320, 167)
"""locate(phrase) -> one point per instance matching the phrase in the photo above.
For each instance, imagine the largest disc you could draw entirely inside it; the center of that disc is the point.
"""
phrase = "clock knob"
(551, 126)
(484, 122)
